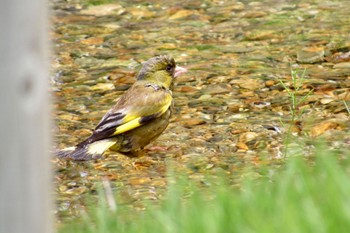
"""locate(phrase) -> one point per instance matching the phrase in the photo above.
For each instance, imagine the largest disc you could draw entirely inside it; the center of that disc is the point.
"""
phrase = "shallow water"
(232, 114)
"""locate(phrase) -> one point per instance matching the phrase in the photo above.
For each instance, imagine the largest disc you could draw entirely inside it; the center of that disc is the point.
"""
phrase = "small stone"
(288, 7)
(326, 100)
(321, 128)
(218, 89)
(181, 14)
(192, 122)
(187, 89)
(339, 57)
(105, 9)
(76, 191)
(310, 55)
(213, 102)
(260, 104)
(205, 97)
(113, 63)
(169, 46)
(103, 87)
(247, 137)
(254, 14)
(139, 180)
(242, 146)
(261, 35)
(185, 78)
(69, 117)
(82, 132)
(269, 83)
(234, 107)
(140, 13)
(343, 65)
(135, 45)
(92, 41)
(158, 183)
(237, 6)
(249, 83)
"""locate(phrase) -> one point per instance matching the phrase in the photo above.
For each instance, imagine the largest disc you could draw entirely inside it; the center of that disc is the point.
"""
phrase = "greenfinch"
(139, 116)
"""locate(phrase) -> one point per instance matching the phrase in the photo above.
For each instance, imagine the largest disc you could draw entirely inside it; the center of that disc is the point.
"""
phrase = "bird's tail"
(86, 151)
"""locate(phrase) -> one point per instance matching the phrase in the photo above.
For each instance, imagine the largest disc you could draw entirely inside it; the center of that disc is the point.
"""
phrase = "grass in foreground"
(296, 111)
(303, 198)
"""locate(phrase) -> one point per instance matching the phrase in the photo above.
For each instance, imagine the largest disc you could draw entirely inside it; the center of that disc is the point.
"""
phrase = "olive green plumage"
(138, 117)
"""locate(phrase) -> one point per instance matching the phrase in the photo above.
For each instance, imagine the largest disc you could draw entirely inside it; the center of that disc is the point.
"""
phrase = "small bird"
(139, 116)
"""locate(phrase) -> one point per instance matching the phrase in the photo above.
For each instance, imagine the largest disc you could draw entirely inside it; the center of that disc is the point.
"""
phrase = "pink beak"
(179, 71)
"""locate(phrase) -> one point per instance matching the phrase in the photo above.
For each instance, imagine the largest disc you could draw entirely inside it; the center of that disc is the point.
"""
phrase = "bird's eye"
(169, 68)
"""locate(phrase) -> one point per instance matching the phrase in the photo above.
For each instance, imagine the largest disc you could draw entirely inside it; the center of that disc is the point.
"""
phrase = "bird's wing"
(139, 105)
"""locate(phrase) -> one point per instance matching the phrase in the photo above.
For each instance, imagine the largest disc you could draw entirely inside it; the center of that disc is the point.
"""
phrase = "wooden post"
(25, 175)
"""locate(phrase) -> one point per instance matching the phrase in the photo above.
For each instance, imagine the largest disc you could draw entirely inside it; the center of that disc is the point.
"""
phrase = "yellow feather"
(128, 118)
(168, 101)
(128, 126)
(134, 123)
(99, 147)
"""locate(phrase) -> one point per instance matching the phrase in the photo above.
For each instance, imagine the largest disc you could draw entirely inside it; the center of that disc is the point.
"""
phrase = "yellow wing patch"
(132, 123)
(128, 126)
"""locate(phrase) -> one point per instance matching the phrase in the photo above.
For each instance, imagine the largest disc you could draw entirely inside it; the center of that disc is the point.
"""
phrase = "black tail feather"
(78, 154)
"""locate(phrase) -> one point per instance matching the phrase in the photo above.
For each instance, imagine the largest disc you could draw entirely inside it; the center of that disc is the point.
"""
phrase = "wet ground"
(232, 110)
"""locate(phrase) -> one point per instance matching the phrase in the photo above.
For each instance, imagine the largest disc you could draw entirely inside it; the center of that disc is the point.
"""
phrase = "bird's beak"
(179, 71)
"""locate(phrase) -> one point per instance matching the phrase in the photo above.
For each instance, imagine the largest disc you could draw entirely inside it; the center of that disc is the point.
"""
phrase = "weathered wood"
(24, 127)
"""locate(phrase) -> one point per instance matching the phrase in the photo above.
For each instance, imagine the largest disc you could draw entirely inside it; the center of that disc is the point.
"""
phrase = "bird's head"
(160, 70)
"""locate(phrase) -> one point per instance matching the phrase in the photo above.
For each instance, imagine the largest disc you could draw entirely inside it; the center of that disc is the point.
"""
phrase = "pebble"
(102, 87)
(247, 137)
(254, 14)
(192, 122)
(322, 127)
(103, 10)
(343, 65)
(310, 55)
(181, 14)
